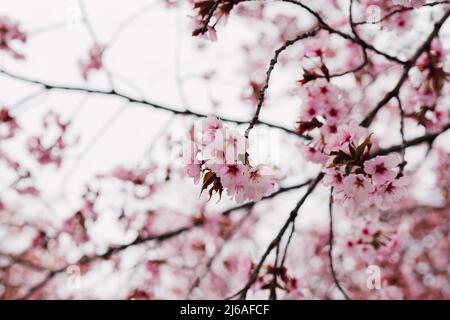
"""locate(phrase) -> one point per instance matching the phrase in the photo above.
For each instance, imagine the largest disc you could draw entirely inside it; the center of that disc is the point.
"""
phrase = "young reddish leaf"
(305, 126)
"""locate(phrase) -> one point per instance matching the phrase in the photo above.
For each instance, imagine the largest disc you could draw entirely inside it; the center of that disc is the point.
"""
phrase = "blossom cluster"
(220, 155)
(325, 106)
(370, 240)
(343, 147)
(10, 32)
(358, 180)
(424, 96)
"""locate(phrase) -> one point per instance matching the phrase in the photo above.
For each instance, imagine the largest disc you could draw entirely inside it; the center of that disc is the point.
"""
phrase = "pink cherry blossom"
(193, 171)
(232, 144)
(209, 126)
(93, 62)
(232, 175)
(334, 178)
(381, 168)
(47, 148)
(443, 173)
(391, 193)
(259, 184)
(358, 188)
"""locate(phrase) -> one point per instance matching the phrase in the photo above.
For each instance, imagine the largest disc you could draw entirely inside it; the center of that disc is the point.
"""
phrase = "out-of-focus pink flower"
(193, 171)
(346, 135)
(94, 60)
(47, 149)
(232, 144)
(358, 188)
(209, 126)
(312, 153)
(334, 178)
(443, 173)
(8, 124)
(10, 32)
(259, 184)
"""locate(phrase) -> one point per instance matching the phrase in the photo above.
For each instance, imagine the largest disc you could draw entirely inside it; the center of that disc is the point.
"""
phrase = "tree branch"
(330, 251)
(130, 99)
(273, 62)
(409, 64)
(275, 242)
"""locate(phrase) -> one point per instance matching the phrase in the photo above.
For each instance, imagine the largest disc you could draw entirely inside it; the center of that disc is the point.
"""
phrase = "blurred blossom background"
(106, 218)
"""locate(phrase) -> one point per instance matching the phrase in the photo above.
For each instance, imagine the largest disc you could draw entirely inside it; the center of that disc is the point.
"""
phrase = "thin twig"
(273, 62)
(402, 134)
(144, 102)
(330, 251)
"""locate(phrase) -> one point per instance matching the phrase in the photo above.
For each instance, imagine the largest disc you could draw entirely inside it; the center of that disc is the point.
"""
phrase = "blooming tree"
(351, 203)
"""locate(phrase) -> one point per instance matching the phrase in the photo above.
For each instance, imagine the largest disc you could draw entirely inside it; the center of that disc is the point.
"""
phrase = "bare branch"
(130, 99)
(330, 250)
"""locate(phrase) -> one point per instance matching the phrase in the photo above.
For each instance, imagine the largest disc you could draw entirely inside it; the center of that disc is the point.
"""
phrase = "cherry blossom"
(357, 188)
(391, 192)
(51, 152)
(10, 34)
(93, 62)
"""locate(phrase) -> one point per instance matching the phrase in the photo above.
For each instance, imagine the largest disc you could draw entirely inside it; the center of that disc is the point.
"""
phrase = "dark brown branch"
(273, 62)
(107, 254)
(407, 67)
(286, 248)
(209, 16)
(330, 250)
(427, 138)
(275, 242)
(140, 240)
(281, 190)
(402, 134)
(197, 281)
